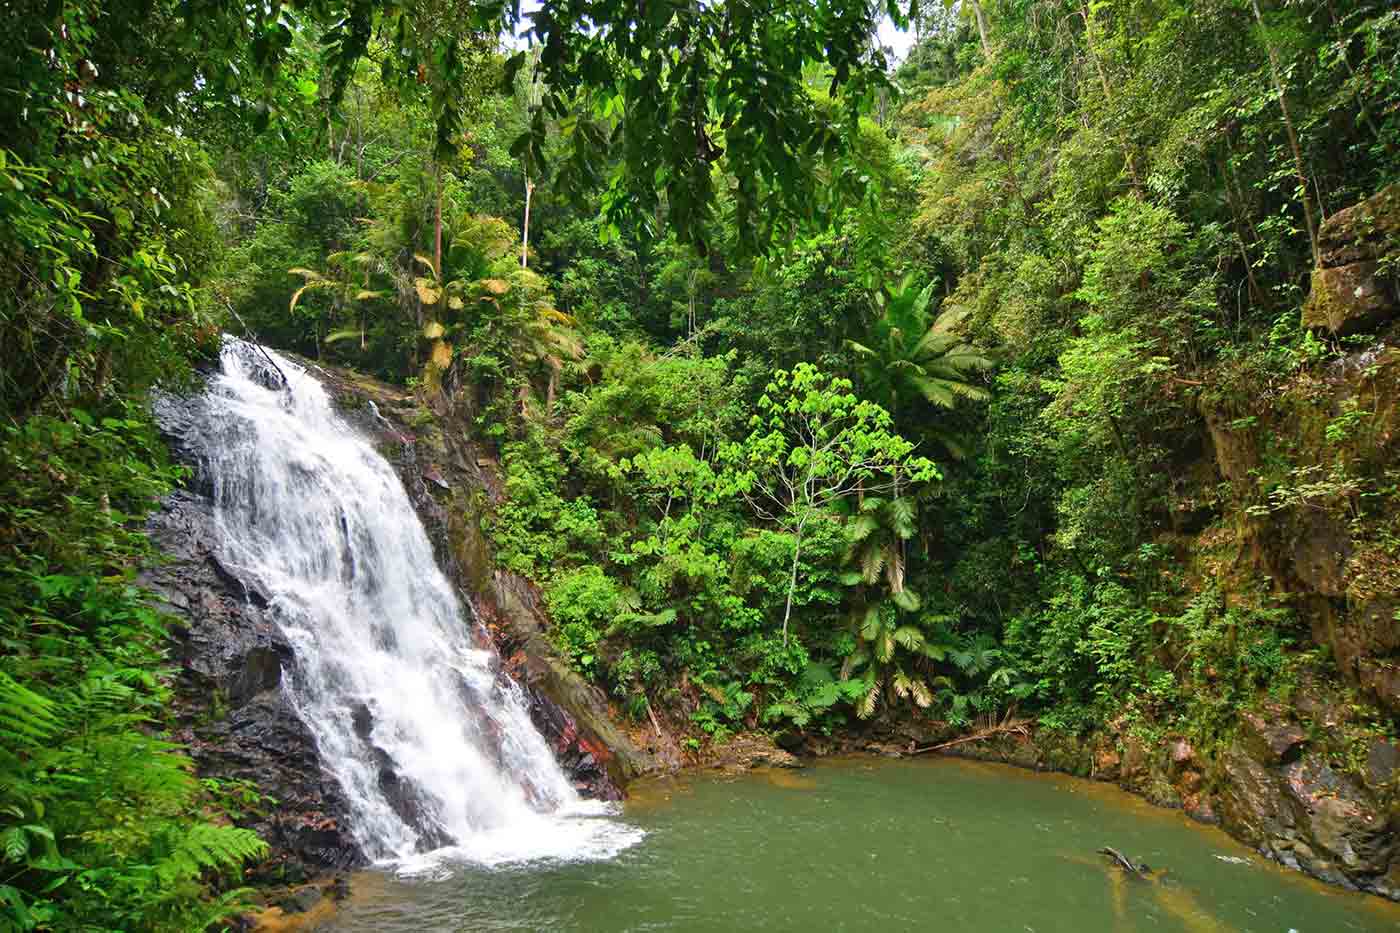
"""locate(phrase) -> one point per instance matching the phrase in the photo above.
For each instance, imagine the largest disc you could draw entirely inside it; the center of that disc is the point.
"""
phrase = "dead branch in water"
(1007, 726)
(1123, 862)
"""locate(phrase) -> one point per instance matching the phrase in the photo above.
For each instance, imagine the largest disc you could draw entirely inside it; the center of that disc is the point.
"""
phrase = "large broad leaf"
(870, 623)
(433, 330)
(902, 513)
(872, 561)
(907, 600)
(427, 294)
(862, 526)
(442, 355)
(296, 295)
(934, 651)
(894, 571)
(909, 637)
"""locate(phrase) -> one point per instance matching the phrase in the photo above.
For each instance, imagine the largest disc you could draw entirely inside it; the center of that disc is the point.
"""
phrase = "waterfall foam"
(432, 745)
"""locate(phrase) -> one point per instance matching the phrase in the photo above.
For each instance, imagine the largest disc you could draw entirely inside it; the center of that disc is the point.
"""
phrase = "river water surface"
(925, 844)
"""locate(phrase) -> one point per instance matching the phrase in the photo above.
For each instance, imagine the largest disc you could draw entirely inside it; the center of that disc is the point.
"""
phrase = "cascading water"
(434, 749)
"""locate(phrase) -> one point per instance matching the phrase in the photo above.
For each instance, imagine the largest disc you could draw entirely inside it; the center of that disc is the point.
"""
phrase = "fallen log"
(1007, 726)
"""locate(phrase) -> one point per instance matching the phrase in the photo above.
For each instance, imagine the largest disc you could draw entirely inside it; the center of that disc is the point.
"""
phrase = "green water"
(872, 845)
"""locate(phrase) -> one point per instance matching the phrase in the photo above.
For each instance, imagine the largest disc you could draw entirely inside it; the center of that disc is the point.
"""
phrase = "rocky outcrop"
(1356, 286)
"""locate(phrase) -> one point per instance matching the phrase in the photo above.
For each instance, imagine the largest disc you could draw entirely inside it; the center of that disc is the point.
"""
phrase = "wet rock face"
(231, 710)
(1270, 736)
(1354, 288)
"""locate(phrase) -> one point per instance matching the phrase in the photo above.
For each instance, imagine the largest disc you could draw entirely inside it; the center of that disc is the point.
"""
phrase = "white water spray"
(434, 750)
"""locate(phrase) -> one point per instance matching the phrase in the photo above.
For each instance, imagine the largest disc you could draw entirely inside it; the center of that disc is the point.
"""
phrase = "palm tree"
(877, 535)
(891, 657)
(912, 354)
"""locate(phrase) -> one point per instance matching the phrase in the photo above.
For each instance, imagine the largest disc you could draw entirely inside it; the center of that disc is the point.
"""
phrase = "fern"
(102, 824)
(27, 720)
(208, 847)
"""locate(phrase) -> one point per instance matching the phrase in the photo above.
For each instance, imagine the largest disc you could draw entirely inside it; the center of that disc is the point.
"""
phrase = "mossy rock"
(1355, 288)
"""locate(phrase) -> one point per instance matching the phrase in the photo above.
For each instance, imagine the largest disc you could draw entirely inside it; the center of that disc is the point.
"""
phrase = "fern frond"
(205, 846)
(865, 708)
(923, 696)
(27, 719)
(884, 647)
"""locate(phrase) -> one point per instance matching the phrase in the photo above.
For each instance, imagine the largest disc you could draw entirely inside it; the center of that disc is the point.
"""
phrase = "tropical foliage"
(820, 393)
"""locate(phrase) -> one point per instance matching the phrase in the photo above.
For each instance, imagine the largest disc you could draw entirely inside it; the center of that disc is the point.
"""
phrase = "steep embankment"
(1293, 501)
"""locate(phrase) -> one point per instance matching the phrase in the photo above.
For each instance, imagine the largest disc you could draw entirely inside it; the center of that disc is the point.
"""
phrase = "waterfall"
(433, 747)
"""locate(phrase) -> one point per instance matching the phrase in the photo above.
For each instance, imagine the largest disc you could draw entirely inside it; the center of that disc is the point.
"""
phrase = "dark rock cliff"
(1356, 286)
(232, 713)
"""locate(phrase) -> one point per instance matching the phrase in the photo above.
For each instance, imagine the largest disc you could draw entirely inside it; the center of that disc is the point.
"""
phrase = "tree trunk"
(792, 579)
(1256, 294)
(1292, 135)
(525, 231)
(437, 224)
(981, 16)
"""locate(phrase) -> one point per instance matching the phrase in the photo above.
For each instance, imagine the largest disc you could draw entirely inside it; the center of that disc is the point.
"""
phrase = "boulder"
(1351, 299)
(1355, 288)
(1107, 764)
(300, 900)
(1381, 679)
(1339, 819)
(1270, 736)
(1250, 806)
